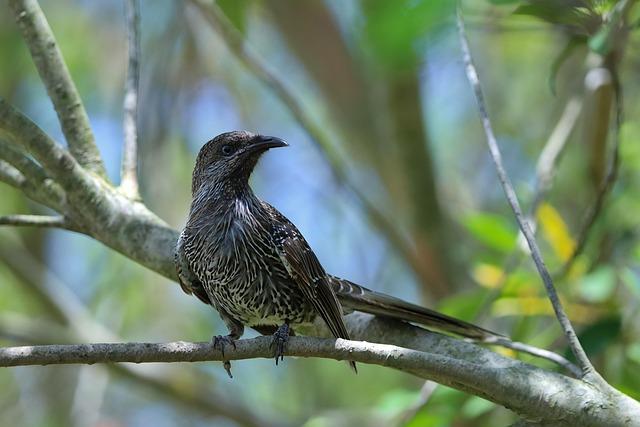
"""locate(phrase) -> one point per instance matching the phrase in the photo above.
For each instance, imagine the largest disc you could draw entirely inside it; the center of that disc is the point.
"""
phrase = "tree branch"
(37, 184)
(576, 348)
(552, 151)
(11, 176)
(531, 393)
(541, 353)
(17, 129)
(37, 221)
(106, 214)
(60, 87)
(129, 173)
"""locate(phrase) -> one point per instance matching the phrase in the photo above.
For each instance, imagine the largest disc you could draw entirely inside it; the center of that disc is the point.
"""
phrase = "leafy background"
(385, 81)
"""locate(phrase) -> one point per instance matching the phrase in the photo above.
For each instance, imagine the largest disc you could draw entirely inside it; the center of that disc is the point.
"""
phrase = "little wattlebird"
(249, 262)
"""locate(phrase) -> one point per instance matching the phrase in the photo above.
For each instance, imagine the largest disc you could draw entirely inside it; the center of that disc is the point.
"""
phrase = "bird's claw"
(227, 367)
(219, 342)
(279, 341)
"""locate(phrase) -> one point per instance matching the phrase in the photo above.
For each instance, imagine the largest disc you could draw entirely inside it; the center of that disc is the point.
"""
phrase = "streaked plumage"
(246, 259)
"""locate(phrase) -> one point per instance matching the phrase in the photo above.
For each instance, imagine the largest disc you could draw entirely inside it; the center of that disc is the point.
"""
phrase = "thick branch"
(129, 173)
(512, 198)
(60, 87)
(529, 391)
(124, 225)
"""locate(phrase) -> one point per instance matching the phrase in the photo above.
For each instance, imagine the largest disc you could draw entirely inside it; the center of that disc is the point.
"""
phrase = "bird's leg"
(219, 342)
(280, 339)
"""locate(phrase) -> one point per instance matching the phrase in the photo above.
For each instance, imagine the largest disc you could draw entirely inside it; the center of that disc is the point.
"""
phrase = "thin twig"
(545, 172)
(552, 151)
(60, 86)
(10, 175)
(605, 186)
(38, 185)
(324, 142)
(37, 221)
(472, 75)
(18, 129)
(129, 173)
(541, 353)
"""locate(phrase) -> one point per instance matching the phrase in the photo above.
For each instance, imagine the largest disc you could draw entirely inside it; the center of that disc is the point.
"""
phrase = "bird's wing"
(305, 269)
(189, 283)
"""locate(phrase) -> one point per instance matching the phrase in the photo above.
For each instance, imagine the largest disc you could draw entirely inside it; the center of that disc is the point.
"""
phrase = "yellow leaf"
(540, 306)
(488, 275)
(555, 231)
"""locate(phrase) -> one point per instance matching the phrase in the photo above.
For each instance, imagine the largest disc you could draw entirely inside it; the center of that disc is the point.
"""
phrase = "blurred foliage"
(386, 78)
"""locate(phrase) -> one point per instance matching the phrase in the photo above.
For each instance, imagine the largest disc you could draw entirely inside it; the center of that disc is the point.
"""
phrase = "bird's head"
(229, 158)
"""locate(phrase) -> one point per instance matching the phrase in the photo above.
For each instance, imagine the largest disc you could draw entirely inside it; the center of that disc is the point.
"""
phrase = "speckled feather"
(252, 264)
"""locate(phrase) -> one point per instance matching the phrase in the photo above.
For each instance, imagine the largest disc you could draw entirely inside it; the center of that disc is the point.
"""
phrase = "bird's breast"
(242, 271)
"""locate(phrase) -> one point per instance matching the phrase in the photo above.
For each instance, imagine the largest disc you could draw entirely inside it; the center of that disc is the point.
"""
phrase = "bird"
(246, 259)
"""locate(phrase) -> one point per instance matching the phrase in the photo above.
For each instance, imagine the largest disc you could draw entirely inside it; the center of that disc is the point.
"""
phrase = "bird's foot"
(219, 343)
(279, 341)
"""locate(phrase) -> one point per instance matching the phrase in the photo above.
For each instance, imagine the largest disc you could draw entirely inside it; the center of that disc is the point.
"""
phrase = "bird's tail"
(356, 297)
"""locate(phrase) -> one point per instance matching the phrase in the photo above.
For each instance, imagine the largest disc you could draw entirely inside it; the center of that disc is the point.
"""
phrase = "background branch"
(34, 181)
(505, 181)
(60, 87)
(36, 221)
(129, 173)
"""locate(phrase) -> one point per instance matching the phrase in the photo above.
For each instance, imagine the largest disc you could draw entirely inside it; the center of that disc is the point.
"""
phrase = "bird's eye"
(226, 149)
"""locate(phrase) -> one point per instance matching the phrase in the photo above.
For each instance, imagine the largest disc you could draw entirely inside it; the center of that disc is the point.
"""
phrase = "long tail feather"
(356, 297)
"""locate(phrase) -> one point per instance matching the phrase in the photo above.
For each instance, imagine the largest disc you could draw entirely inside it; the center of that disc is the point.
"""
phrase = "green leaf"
(464, 305)
(501, 2)
(495, 231)
(601, 42)
(597, 287)
(633, 352)
(476, 406)
(394, 29)
(396, 401)
(576, 14)
(236, 12)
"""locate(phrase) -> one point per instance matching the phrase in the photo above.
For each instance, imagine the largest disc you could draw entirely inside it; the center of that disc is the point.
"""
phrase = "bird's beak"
(262, 143)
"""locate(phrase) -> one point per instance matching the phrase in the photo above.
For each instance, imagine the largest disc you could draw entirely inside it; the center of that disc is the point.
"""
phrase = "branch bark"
(36, 221)
(129, 173)
(60, 87)
(533, 393)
